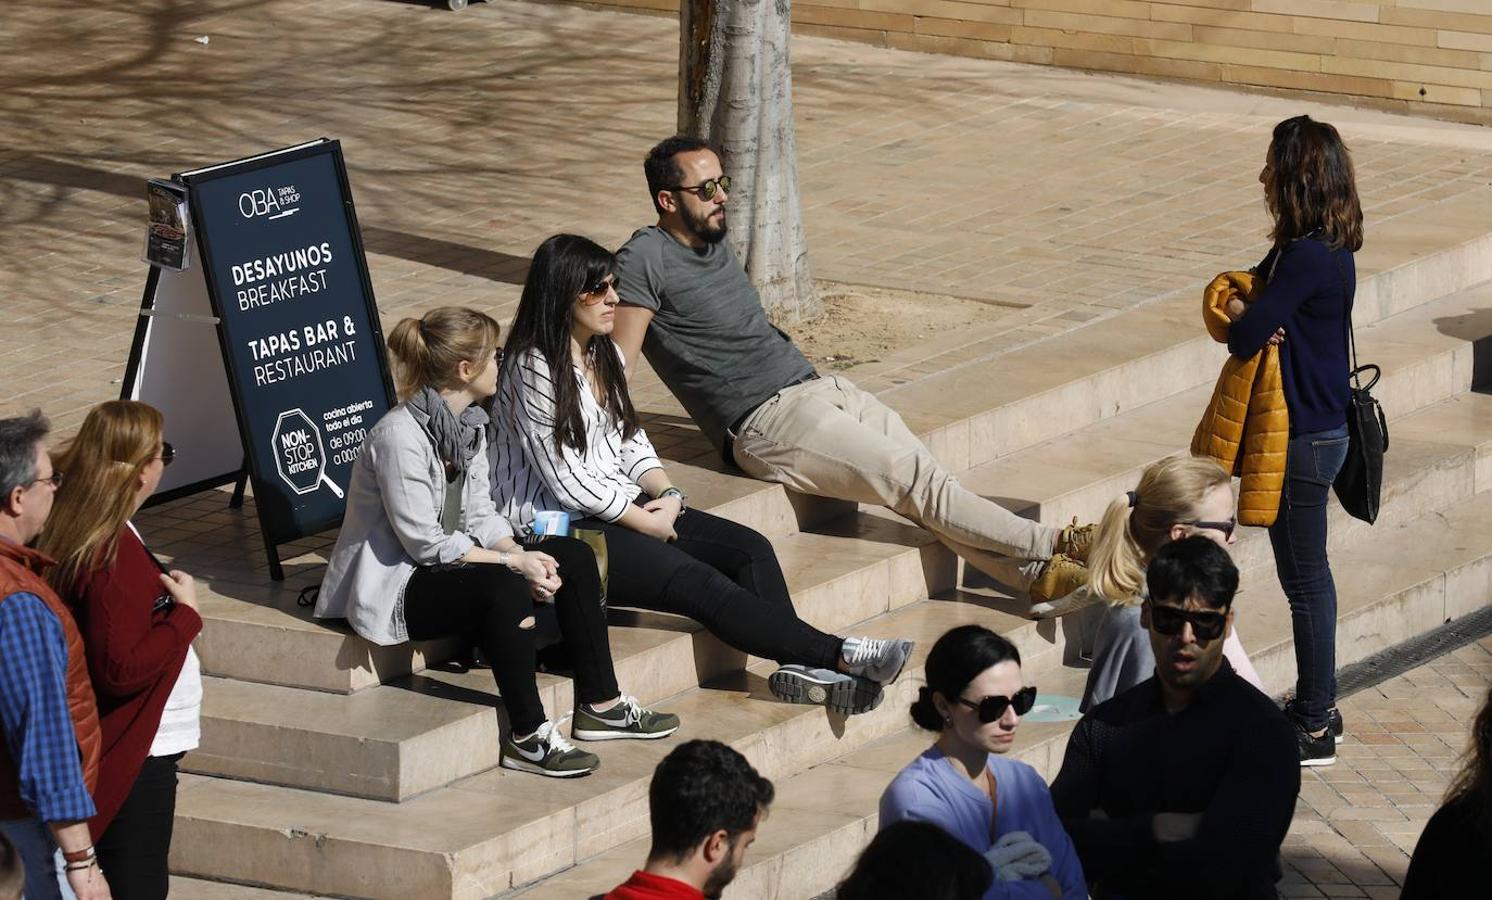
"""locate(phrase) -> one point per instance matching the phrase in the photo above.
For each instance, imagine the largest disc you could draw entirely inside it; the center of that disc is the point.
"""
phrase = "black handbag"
(1359, 485)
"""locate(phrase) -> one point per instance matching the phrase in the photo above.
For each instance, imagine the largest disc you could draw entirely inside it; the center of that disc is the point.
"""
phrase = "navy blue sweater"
(1305, 296)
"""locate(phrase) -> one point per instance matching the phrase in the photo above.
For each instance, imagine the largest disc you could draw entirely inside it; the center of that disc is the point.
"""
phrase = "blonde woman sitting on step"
(1176, 498)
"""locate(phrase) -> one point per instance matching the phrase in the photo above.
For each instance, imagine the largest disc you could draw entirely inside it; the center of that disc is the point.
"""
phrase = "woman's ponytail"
(1116, 564)
(426, 351)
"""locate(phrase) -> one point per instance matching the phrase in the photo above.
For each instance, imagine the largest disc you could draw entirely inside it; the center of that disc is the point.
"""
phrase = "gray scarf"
(456, 440)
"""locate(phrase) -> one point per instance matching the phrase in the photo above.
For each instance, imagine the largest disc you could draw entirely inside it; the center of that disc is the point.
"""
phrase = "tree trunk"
(736, 89)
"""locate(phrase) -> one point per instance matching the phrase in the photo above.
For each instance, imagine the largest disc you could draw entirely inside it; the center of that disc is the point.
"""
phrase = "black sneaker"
(1316, 751)
(1334, 726)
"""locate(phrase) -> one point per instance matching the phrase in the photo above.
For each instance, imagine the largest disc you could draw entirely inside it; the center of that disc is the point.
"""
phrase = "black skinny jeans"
(132, 851)
(485, 603)
(719, 573)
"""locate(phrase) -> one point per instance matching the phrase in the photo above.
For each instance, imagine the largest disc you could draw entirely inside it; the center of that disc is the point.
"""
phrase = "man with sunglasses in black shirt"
(1184, 785)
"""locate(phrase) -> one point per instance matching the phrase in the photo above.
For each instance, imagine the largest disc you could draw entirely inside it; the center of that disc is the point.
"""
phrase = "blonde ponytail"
(1138, 522)
(427, 350)
(1116, 564)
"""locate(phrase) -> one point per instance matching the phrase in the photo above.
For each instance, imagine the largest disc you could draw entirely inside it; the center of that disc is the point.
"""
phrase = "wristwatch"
(672, 491)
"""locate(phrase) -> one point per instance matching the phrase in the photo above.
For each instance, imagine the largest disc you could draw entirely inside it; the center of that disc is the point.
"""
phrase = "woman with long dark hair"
(965, 784)
(567, 438)
(138, 622)
(1454, 855)
(423, 554)
(1303, 301)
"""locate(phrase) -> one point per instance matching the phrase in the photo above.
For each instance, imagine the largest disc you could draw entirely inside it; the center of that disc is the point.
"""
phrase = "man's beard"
(722, 875)
(704, 229)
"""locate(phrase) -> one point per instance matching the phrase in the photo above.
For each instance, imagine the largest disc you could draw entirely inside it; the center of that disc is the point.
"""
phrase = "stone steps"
(1413, 577)
(466, 830)
(398, 740)
(497, 829)
(199, 889)
(978, 412)
(306, 832)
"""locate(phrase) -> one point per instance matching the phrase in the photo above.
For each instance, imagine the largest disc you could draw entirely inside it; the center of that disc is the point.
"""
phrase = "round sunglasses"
(992, 709)
(707, 189)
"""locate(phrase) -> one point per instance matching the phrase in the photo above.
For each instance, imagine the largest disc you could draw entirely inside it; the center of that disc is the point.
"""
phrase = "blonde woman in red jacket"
(138, 622)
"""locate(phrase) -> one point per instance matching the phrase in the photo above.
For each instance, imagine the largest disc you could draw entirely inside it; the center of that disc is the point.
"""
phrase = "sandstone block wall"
(1425, 56)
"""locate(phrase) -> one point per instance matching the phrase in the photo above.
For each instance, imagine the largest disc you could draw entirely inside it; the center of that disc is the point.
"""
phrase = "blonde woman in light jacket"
(1177, 497)
(423, 553)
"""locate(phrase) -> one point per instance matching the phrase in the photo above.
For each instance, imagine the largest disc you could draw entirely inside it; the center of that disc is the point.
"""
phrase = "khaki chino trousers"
(828, 438)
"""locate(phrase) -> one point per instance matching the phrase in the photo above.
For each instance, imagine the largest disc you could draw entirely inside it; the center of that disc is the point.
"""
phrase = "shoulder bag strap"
(1351, 336)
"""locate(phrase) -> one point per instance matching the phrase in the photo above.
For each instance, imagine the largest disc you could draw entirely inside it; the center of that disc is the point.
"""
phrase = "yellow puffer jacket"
(1247, 412)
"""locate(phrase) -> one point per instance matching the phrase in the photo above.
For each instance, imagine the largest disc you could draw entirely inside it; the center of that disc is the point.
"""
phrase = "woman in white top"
(566, 437)
(423, 554)
(1177, 497)
(137, 622)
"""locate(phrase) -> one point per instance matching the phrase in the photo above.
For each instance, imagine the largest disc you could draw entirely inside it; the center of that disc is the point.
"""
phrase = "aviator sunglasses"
(991, 709)
(597, 292)
(1206, 626)
(707, 189)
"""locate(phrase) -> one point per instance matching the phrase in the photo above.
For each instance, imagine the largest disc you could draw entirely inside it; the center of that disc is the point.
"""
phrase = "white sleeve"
(571, 478)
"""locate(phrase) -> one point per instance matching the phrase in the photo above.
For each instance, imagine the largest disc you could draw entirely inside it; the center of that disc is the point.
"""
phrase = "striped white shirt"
(529, 475)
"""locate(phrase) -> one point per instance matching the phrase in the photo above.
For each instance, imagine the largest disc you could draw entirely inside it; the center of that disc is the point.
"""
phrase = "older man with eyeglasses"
(1183, 785)
(49, 760)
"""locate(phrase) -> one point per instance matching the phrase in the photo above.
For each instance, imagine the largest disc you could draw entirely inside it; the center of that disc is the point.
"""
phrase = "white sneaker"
(879, 659)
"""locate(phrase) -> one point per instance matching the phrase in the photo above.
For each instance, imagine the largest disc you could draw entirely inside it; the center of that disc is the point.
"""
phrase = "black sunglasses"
(1206, 626)
(707, 189)
(1225, 527)
(991, 709)
(168, 453)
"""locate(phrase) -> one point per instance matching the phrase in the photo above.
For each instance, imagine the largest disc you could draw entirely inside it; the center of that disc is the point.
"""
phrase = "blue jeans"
(45, 879)
(1298, 536)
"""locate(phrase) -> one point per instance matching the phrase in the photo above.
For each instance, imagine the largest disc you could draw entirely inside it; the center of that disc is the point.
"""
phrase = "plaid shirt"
(33, 710)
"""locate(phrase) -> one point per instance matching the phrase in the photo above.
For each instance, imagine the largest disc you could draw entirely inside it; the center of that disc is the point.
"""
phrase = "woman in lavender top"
(974, 698)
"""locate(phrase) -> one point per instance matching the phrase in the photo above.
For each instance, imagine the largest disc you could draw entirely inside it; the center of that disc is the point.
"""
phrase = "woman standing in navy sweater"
(1305, 305)
(138, 622)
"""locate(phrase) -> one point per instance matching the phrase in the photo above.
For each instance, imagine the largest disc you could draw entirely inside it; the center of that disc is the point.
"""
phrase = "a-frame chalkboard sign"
(266, 355)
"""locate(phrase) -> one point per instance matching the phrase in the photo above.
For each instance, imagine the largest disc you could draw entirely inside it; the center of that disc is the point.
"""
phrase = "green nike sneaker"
(546, 752)
(627, 721)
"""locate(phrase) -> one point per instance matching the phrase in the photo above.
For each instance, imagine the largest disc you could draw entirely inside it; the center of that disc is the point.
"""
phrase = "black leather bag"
(1359, 485)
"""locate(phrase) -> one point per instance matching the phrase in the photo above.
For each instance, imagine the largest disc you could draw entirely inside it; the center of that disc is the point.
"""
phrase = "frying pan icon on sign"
(300, 457)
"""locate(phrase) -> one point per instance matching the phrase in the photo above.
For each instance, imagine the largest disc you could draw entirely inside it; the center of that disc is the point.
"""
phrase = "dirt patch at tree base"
(863, 324)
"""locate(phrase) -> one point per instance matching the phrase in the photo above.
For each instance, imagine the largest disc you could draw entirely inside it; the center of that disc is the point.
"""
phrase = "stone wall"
(1425, 56)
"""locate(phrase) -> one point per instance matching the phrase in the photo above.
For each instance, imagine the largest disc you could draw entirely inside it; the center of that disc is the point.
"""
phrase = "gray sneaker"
(546, 752)
(625, 721)
(845, 694)
(880, 660)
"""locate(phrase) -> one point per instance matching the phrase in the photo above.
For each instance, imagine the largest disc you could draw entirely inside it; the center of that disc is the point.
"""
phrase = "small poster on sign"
(168, 239)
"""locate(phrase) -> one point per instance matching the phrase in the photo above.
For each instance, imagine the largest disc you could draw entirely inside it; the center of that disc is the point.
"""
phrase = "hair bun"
(924, 713)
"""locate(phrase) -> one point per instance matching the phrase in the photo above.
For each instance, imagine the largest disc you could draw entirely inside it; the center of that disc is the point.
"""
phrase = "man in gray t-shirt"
(687, 304)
